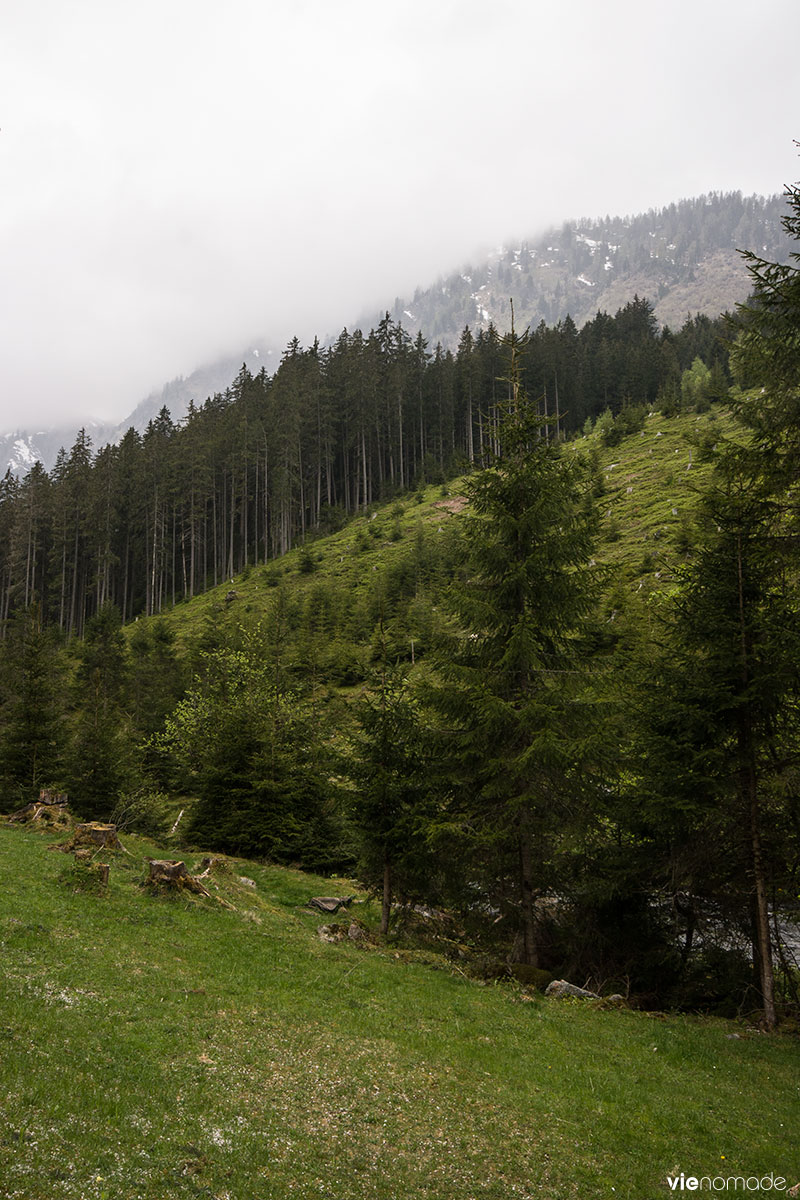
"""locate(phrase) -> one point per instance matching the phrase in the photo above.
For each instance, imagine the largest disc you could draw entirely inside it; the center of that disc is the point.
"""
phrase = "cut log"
(165, 873)
(561, 989)
(330, 904)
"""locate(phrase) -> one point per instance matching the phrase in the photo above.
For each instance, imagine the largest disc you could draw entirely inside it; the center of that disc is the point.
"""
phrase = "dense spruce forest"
(600, 780)
(160, 517)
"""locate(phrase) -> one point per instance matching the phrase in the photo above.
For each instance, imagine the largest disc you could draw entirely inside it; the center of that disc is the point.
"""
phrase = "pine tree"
(251, 752)
(388, 767)
(100, 760)
(767, 356)
(31, 720)
(723, 726)
(511, 687)
(726, 709)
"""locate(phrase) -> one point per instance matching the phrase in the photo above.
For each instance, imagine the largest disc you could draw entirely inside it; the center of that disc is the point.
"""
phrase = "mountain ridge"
(684, 258)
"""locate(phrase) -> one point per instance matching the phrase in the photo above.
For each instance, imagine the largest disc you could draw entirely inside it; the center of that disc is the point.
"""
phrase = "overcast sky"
(179, 177)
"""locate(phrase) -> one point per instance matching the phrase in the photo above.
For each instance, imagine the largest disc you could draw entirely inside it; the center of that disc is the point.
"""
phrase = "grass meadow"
(159, 1047)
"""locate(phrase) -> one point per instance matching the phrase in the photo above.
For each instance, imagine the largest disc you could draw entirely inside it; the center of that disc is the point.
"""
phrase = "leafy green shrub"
(668, 399)
(631, 419)
(332, 518)
(612, 532)
(685, 537)
(142, 810)
(606, 427)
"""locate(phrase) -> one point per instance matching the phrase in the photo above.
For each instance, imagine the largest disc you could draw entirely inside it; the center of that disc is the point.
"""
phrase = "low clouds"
(177, 178)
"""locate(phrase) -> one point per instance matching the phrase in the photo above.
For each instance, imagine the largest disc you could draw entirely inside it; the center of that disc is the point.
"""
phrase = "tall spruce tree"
(251, 752)
(723, 708)
(100, 761)
(767, 357)
(511, 685)
(31, 719)
(388, 766)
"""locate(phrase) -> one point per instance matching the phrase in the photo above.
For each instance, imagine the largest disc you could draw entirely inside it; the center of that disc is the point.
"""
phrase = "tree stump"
(49, 810)
(48, 796)
(164, 873)
(93, 834)
(99, 870)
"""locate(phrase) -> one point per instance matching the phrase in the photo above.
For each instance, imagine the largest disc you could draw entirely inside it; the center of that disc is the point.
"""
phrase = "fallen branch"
(165, 873)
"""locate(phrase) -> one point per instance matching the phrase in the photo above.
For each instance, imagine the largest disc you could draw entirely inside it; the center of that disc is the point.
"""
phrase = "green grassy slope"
(155, 1048)
(649, 479)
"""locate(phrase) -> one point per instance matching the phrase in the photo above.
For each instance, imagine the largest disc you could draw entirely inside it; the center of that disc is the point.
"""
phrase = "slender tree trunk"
(470, 436)
(125, 609)
(28, 563)
(763, 940)
(74, 597)
(748, 787)
(266, 499)
(243, 524)
(232, 516)
(526, 887)
(302, 492)
(386, 902)
(192, 544)
(255, 509)
(153, 580)
(63, 599)
(214, 528)
(558, 412)
(174, 552)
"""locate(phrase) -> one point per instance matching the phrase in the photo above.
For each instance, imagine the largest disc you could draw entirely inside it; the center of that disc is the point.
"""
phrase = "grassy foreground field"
(153, 1048)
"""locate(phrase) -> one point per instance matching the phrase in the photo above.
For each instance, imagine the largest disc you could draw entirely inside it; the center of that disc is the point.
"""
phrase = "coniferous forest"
(600, 784)
(252, 472)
